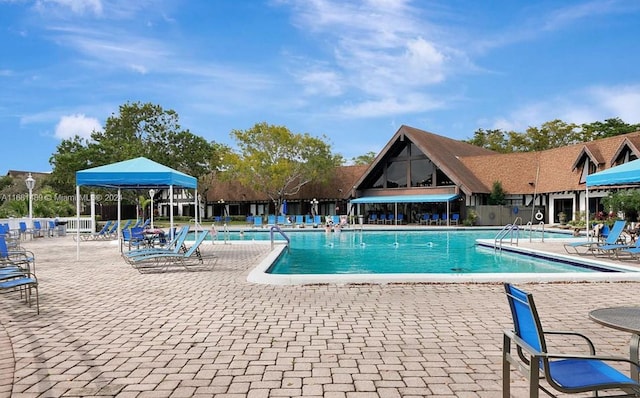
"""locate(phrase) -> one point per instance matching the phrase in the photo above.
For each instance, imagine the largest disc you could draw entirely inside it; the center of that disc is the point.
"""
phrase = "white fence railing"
(68, 224)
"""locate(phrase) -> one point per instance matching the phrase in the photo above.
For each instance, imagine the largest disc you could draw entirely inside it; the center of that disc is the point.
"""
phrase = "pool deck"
(107, 330)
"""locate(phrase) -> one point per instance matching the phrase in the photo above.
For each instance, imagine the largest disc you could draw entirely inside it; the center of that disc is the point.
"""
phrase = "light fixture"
(31, 183)
(151, 194)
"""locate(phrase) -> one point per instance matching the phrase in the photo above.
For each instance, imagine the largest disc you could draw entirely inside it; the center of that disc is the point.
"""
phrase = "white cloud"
(78, 124)
(76, 6)
(589, 105)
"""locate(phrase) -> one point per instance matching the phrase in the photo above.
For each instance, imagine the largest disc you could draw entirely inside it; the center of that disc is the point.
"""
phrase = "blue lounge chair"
(373, 218)
(257, 221)
(102, 234)
(299, 220)
(191, 260)
(271, 219)
(586, 247)
(435, 219)
(566, 373)
(308, 220)
(173, 247)
(455, 218)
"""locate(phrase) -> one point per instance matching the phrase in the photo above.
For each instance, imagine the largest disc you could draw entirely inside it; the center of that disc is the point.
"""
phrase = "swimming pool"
(384, 252)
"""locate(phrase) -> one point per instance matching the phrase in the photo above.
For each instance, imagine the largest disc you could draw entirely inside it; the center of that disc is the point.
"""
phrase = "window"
(422, 172)
(397, 174)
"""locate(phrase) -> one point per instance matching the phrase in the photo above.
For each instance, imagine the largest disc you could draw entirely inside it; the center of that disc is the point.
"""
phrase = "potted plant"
(562, 217)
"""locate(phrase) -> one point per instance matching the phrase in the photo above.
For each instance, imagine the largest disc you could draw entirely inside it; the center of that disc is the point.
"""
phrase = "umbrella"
(283, 207)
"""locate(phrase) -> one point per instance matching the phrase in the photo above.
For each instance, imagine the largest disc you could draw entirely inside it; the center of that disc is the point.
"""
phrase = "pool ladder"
(510, 232)
(273, 230)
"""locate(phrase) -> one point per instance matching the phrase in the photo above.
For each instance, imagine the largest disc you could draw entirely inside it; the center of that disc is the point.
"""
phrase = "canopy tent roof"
(135, 173)
(627, 173)
(407, 198)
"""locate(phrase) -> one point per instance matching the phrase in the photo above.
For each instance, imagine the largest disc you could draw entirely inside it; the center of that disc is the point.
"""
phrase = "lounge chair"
(299, 220)
(586, 247)
(100, 235)
(257, 221)
(193, 259)
(373, 218)
(173, 247)
(455, 218)
(566, 373)
(308, 220)
(37, 231)
(271, 219)
(435, 219)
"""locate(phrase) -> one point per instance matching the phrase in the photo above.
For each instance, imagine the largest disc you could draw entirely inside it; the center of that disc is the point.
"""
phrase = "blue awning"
(435, 198)
(627, 173)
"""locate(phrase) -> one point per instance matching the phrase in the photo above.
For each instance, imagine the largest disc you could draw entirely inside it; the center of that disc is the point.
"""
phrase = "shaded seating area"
(562, 372)
(174, 246)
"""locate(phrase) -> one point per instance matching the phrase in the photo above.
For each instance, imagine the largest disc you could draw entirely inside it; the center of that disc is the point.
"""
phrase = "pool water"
(383, 252)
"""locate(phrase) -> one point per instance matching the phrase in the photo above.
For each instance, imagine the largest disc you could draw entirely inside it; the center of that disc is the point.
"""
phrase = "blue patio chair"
(435, 219)
(455, 218)
(193, 259)
(281, 220)
(37, 230)
(586, 247)
(400, 218)
(299, 219)
(257, 221)
(22, 281)
(425, 219)
(317, 219)
(24, 259)
(24, 230)
(308, 220)
(382, 219)
(373, 218)
(390, 218)
(271, 219)
(566, 373)
(444, 218)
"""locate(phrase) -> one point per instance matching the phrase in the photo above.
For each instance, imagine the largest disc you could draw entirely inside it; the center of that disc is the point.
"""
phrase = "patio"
(107, 330)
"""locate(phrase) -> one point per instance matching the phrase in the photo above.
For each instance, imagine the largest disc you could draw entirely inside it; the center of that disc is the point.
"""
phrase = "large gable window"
(588, 167)
(406, 166)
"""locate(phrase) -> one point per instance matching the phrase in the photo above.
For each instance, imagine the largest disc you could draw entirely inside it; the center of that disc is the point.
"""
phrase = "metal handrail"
(276, 228)
(508, 230)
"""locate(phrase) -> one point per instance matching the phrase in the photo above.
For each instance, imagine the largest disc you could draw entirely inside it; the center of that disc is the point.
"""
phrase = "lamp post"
(31, 182)
(151, 193)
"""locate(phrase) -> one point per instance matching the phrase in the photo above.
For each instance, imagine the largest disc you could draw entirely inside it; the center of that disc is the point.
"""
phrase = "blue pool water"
(390, 252)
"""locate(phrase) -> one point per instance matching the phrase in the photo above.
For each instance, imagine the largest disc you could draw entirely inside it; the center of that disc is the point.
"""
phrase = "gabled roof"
(444, 152)
(549, 171)
(590, 151)
(632, 143)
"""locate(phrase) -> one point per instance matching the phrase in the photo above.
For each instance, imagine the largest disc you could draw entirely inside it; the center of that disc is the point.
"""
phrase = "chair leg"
(506, 367)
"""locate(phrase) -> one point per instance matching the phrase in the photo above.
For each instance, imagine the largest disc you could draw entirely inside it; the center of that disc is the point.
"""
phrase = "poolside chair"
(102, 234)
(299, 220)
(21, 281)
(22, 258)
(382, 218)
(173, 247)
(193, 259)
(373, 218)
(455, 218)
(425, 218)
(37, 231)
(435, 219)
(565, 373)
(317, 219)
(400, 218)
(257, 221)
(271, 219)
(586, 247)
(24, 230)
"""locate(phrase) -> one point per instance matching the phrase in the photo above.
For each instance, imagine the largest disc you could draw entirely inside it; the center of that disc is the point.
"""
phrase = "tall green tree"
(277, 162)
(365, 159)
(137, 130)
(497, 195)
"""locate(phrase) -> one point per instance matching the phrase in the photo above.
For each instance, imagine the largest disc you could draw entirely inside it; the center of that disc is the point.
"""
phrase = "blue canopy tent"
(624, 174)
(138, 173)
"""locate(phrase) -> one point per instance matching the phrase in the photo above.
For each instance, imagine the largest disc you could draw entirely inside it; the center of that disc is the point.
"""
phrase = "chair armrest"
(592, 347)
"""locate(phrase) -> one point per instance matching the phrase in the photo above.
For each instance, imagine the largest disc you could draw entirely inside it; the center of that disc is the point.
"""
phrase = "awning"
(435, 198)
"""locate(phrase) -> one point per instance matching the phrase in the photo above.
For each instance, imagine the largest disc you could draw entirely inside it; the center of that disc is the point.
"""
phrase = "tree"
(625, 201)
(138, 130)
(278, 162)
(490, 139)
(496, 197)
(608, 128)
(365, 159)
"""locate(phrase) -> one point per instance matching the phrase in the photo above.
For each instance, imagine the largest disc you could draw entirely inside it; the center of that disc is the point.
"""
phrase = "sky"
(353, 71)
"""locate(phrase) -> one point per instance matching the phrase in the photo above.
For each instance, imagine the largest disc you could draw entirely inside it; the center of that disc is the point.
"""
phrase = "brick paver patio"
(107, 330)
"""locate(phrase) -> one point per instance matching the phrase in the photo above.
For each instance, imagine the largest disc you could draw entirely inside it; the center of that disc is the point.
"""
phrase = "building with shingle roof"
(420, 172)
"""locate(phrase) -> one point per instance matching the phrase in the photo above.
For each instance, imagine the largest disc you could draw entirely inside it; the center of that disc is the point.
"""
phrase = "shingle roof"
(556, 171)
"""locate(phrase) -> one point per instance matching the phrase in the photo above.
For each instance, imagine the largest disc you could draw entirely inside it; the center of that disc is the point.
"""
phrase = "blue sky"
(354, 71)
